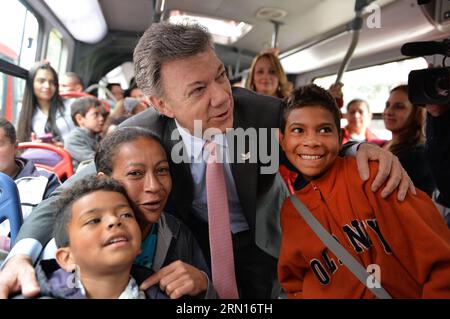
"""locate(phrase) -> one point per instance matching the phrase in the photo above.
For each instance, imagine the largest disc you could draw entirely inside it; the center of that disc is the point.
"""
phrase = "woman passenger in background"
(267, 76)
(43, 111)
(406, 122)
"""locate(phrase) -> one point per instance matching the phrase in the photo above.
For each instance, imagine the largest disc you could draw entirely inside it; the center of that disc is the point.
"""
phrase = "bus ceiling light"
(223, 31)
(83, 18)
(298, 62)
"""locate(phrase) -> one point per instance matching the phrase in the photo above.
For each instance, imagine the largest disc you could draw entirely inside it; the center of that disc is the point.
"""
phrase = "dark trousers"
(256, 271)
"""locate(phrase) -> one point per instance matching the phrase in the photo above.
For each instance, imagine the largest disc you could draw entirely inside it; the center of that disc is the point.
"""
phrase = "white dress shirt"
(198, 156)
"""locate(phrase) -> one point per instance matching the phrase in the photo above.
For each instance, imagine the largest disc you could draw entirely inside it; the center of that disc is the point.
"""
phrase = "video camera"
(428, 86)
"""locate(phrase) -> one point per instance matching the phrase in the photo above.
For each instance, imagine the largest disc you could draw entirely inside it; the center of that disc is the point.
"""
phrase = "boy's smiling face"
(310, 140)
(103, 232)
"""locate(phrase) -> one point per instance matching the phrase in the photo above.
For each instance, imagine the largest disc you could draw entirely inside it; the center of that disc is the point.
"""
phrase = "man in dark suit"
(177, 68)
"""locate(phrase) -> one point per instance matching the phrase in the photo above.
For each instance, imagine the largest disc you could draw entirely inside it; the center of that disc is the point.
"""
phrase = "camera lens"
(437, 86)
(442, 84)
(429, 86)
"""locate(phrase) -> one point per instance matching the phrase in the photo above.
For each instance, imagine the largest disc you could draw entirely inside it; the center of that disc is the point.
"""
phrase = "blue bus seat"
(10, 205)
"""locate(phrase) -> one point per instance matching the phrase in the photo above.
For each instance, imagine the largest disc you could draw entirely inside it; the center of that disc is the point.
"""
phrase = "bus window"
(18, 45)
(19, 32)
(57, 52)
(121, 74)
(10, 97)
(373, 84)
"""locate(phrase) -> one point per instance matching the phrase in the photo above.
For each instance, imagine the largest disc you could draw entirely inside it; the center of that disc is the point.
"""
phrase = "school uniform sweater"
(407, 240)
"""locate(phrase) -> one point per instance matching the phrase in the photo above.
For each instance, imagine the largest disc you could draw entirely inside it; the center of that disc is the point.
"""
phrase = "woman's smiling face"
(141, 166)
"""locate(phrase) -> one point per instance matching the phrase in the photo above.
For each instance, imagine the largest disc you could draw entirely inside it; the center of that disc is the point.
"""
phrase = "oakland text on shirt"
(357, 236)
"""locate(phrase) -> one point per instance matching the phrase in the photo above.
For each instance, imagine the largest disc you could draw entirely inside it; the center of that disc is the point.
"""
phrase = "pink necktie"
(222, 257)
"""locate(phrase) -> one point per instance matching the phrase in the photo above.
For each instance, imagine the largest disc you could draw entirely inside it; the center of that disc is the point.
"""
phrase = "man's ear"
(161, 106)
(65, 259)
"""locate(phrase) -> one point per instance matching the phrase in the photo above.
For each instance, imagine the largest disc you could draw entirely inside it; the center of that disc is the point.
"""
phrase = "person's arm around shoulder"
(17, 271)
(390, 171)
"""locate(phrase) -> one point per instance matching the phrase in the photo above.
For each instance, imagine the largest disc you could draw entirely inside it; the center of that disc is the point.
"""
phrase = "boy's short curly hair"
(67, 198)
(309, 95)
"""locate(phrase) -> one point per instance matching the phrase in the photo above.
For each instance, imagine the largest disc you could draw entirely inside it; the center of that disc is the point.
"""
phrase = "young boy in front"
(407, 240)
(84, 138)
(98, 239)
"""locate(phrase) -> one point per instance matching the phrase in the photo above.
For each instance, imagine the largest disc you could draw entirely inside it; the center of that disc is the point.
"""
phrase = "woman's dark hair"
(413, 132)
(104, 157)
(10, 131)
(30, 105)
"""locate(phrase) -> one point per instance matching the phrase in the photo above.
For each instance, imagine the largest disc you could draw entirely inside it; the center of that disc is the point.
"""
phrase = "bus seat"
(62, 168)
(10, 208)
(41, 156)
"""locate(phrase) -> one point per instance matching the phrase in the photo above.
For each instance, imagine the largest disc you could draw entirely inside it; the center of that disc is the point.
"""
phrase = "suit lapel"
(182, 193)
(245, 173)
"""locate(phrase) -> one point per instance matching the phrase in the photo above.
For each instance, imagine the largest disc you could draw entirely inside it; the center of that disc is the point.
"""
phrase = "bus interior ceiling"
(301, 24)
(316, 29)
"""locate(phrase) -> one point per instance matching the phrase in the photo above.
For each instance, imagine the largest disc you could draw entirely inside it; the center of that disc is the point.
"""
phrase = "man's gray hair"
(163, 42)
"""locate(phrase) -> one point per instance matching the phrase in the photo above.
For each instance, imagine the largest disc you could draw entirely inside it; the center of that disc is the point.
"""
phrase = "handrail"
(355, 26)
(13, 69)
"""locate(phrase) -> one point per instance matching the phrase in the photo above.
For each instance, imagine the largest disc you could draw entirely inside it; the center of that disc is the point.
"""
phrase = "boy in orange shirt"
(407, 240)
